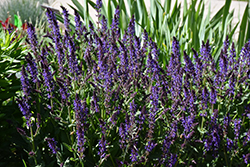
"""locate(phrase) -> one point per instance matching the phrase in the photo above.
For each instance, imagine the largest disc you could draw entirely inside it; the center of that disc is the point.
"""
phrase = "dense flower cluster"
(122, 106)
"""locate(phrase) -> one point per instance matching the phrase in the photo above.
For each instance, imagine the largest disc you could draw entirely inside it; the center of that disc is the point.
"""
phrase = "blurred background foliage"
(29, 10)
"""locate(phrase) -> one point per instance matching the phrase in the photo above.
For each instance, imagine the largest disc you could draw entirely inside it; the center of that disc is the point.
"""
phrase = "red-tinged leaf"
(24, 26)
(12, 25)
(7, 20)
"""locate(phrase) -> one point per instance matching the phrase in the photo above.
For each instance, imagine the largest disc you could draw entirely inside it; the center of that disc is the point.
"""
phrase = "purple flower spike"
(25, 109)
(198, 67)
(237, 126)
(53, 24)
(115, 23)
(32, 67)
(205, 53)
(189, 67)
(63, 88)
(176, 50)
(32, 37)
(78, 25)
(104, 24)
(81, 113)
(131, 27)
(102, 148)
(52, 145)
(223, 63)
(98, 4)
(213, 95)
(172, 160)
(66, 18)
(134, 154)
(205, 97)
(246, 158)
(188, 124)
(122, 134)
(48, 78)
(150, 146)
(98, 8)
(213, 138)
(26, 87)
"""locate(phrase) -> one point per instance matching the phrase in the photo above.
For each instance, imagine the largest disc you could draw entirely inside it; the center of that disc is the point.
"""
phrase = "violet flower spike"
(48, 78)
(66, 18)
(25, 109)
(189, 67)
(246, 158)
(98, 8)
(122, 134)
(213, 95)
(26, 87)
(237, 126)
(223, 64)
(32, 67)
(52, 145)
(78, 24)
(131, 27)
(205, 53)
(198, 67)
(134, 154)
(81, 113)
(32, 37)
(104, 24)
(115, 23)
(102, 147)
(176, 50)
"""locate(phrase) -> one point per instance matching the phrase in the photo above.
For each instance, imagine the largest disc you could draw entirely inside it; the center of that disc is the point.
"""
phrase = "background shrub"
(29, 10)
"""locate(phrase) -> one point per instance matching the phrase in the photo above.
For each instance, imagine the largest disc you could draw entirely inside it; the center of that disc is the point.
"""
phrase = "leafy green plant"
(11, 57)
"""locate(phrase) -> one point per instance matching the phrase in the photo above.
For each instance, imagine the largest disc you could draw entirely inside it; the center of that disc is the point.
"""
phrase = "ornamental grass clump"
(92, 98)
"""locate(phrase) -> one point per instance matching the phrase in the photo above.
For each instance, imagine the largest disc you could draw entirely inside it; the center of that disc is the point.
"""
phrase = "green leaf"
(68, 147)
(2, 115)
(243, 28)
(24, 163)
(225, 13)
(3, 83)
(17, 22)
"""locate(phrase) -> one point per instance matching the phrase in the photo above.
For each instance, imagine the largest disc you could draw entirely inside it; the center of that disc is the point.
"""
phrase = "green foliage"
(11, 56)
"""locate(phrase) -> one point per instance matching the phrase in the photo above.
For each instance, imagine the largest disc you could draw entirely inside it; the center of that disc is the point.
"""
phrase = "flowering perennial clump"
(106, 100)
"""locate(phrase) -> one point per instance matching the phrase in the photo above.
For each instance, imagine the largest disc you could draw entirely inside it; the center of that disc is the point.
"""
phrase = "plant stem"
(33, 144)
(225, 155)
(72, 130)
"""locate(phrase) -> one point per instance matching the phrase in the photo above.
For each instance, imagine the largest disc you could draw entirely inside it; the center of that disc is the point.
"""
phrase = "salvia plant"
(91, 98)
(165, 19)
